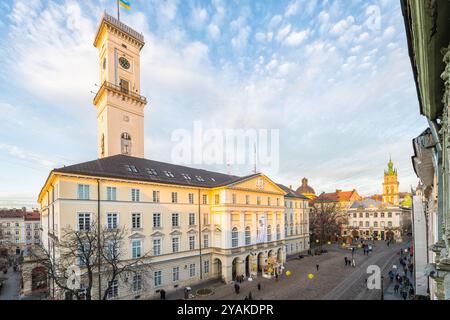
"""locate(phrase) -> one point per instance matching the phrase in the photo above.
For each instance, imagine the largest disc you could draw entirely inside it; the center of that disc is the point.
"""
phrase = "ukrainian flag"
(126, 4)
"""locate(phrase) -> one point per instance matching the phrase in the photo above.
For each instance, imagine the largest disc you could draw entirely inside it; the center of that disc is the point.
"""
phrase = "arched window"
(234, 237)
(248, 236)
(269, 234)
(126, 143)
(278, 232)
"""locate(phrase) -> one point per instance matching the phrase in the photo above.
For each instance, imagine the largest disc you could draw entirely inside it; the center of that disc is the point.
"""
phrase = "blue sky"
(333, 76)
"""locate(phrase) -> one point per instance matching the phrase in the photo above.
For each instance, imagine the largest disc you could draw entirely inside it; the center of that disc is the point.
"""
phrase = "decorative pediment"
(217, 229)
(136, 235)
(192, 231)
(258, 183)
(206, 229)
(157, 234)
(175, 233)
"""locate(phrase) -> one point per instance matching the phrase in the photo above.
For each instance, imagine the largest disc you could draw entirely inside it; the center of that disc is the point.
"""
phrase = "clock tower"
(120, 107)
(390, 185)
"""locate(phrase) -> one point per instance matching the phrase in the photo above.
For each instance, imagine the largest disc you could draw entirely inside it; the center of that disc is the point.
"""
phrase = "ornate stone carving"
(446, 76)
(445, 252)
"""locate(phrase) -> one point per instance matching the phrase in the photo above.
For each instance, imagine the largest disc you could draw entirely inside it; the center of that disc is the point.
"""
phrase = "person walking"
(396, 287)
(346, 260)
(259, 286)
(317, 267)
(250, 297)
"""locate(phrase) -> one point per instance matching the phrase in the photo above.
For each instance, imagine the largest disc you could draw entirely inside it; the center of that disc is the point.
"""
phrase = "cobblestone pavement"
(11, 287)
(333, 281)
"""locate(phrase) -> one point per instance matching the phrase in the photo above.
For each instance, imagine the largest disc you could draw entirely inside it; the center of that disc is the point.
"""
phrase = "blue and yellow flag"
(126, 4)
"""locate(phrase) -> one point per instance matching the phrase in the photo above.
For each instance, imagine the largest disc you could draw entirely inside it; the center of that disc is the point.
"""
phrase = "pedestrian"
(162, 294)
(259, 286)
(317, 267)
(404, 294)
(250, 297)
(396, 287)
(236, 288)
(411, 292)
(345, 259)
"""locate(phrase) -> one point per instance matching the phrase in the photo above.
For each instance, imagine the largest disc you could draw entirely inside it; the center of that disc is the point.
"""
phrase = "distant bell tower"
(120, 107)
(390, 185)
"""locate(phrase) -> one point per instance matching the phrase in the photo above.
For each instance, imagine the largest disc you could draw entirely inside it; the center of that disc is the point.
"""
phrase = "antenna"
(254, 170)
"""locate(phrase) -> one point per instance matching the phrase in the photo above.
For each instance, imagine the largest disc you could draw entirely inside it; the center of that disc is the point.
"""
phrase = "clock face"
(124, 63)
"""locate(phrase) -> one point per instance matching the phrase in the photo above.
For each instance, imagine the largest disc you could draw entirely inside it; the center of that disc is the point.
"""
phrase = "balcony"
(119, 90)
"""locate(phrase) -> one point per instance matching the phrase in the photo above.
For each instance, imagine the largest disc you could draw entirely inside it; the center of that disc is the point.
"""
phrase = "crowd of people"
(403, 284)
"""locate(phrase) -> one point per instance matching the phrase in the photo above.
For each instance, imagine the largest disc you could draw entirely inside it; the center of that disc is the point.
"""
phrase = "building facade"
(19, 228)
(371, 219)
(427, 25)
(194, 224)
(296, 222)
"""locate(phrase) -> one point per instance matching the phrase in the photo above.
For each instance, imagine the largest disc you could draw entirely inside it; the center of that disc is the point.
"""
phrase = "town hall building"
(195, 224)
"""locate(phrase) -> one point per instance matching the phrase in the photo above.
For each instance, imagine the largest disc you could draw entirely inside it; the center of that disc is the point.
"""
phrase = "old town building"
(427, 25)
(306, 190)
(19, 228)
(371, 219)
(195, 224)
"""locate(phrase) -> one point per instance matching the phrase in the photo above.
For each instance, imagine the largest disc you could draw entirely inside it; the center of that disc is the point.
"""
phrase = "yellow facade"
(390, 185)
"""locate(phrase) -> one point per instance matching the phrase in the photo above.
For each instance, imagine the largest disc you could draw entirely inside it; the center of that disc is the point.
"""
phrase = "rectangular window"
(175, 274)
(157, 220)
(192, 270)
(157, 276)
(375, 214)
(367, 224)
(84, 221)
(112, 220)
(192, 219)
(258, 201)
(156, 247)
(389, 214)
(278, 202)
(205, 199)
(136, 221)
(375, 224)
(175, 244)
(137, 283)
(367, 215)
(111, 193)
(191, 198)
(247, 199)
(390, 224)
(206, 266)
(383, 224)
(206, 241)
(136, 248)
(360, 214)
(234, 198)
(354, 215)
(124, 85)
(155, 196)
(175, 220)
(216, 199)
(268, 201)
(205, 219)
(361, 224)
(113, 291)
(191, 242)
(135, 195)
(174, 197)
(382, 214)
(83, 192)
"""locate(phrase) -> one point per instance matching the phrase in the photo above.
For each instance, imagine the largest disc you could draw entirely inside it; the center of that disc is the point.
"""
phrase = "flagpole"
(118, 11)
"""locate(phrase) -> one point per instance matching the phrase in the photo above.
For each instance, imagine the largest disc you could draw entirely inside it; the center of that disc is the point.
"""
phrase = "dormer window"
(126, 143)
(199, 178)
(151, 172)
(169, 174)
(186, 176)
(131, 168)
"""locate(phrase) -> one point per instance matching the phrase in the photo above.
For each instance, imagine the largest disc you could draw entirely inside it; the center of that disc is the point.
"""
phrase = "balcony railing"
(120, 90)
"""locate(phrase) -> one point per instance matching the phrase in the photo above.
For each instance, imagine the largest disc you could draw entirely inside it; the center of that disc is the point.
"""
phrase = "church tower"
(120, 107)
(390, 185)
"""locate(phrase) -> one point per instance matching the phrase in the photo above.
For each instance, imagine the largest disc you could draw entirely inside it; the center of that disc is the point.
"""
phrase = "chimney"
(290, 186)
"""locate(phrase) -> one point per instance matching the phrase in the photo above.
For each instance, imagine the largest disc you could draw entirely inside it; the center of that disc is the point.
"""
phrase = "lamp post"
(382, 288)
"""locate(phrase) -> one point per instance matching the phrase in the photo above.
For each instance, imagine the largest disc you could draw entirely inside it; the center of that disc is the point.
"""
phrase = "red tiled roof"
(33, 216)
(340, 196)
(20, 213)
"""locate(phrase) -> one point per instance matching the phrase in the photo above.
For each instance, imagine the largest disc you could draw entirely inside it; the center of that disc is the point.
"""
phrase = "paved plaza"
(333, 280)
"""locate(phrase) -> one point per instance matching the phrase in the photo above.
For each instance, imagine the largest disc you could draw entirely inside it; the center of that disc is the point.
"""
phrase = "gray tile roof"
(291, 193)
(139, 169)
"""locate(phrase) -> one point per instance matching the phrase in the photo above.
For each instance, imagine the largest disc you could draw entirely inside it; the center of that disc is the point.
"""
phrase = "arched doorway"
(39, 279)
(218, 268)
(261, 262)
(248, 266)
(280, 255)
(235, 268)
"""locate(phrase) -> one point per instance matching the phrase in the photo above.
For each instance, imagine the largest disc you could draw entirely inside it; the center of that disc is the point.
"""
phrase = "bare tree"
(326, 219)
(79, 255)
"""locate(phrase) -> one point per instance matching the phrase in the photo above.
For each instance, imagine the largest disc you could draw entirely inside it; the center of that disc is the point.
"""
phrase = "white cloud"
(283, 32)
(213, 31)
(293, 8)
(389, 32)
(296, 38)
(199, 17)
(275, 21)
(342, 25)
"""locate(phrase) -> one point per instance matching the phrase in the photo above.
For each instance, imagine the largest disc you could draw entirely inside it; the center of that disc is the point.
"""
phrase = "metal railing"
(121, 90)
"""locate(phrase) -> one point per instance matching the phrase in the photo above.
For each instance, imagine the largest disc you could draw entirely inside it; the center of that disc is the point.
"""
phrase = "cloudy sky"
(332, 76)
